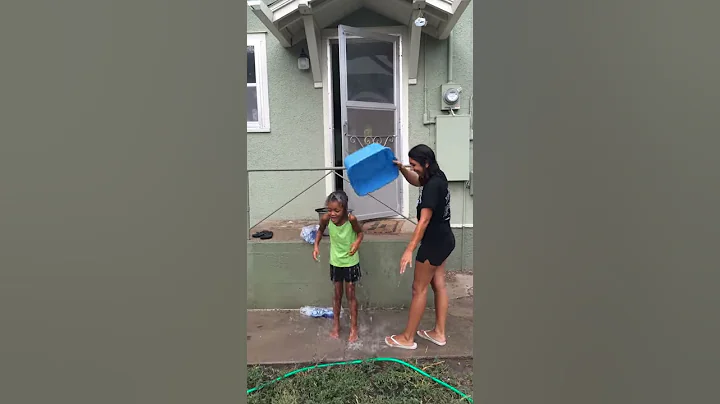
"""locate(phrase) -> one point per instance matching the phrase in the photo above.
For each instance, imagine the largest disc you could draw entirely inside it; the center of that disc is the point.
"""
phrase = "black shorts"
(345, 274)
(436, 251)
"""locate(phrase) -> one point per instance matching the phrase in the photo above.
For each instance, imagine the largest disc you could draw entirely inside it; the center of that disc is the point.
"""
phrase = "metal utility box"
(452, 146)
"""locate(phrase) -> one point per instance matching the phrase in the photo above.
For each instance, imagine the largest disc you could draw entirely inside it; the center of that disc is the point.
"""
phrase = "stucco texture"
(283, 275)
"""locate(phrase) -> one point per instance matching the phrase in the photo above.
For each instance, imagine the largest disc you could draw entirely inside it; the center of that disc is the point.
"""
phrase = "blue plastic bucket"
(371, 168)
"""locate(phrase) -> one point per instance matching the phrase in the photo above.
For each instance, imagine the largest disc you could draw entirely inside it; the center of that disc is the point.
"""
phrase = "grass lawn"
(366, 383)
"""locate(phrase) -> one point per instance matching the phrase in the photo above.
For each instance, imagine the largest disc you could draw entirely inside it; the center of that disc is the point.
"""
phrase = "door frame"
(403, 142)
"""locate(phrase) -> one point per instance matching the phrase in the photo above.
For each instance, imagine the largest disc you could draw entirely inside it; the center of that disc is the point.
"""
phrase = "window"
(258, 114)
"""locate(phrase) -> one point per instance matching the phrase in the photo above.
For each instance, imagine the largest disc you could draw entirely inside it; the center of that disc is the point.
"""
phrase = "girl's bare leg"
(337, 300)
(352, 302)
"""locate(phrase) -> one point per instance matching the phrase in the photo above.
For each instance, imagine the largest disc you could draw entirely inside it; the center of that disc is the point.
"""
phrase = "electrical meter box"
(450, 95)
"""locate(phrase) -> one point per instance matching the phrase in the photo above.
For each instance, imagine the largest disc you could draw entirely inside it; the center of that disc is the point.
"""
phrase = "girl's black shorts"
(345, 274)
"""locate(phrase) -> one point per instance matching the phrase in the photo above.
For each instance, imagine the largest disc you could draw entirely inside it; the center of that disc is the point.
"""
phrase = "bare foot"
(353, 335)
(335, 333)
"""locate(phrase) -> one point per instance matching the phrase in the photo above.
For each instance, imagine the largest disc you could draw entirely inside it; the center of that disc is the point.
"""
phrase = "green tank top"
(341, 238)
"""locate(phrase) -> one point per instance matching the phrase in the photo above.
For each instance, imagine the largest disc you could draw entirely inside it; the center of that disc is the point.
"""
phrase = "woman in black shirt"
(436, 240)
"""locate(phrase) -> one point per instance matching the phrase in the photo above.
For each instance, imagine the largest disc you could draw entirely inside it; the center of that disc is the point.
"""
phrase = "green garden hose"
(357, 362)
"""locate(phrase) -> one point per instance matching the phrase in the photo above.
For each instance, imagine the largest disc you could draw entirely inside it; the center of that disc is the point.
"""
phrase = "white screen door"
(369, 100)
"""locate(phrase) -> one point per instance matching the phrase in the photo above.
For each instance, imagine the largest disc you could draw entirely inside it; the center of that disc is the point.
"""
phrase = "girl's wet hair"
(424, 155)
(339, 197)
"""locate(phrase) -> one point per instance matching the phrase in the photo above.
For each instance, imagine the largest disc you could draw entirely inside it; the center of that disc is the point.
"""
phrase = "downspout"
(427, 120)
(451, 51)
(426, 116)
(450, 54)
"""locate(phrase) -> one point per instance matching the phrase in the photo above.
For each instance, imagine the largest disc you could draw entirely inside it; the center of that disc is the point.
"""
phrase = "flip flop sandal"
(261, 233)
(266, 235)
(424, 335)
(396, 344)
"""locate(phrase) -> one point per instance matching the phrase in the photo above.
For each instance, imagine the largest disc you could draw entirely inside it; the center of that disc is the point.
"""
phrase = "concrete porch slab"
(286, 337)
(289, 230)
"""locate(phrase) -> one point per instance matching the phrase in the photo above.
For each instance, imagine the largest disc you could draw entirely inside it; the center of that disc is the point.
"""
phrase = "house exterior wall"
(295, 141)
(297, 130)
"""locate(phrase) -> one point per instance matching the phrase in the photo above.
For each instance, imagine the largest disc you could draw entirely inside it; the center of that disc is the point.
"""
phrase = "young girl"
(345, 237)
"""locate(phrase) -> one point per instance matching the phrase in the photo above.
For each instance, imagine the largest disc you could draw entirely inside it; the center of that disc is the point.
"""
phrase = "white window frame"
(258, 42)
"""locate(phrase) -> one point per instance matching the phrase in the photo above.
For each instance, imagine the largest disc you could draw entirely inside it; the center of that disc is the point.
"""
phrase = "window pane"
(252, 105)
(370, 71)
(251, 64)
(367, 126)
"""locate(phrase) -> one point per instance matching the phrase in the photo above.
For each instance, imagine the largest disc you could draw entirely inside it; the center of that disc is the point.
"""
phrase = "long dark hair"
(425, 156)
(341, 198)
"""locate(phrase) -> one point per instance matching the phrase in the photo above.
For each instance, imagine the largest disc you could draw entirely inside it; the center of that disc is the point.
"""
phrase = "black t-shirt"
(435, 195)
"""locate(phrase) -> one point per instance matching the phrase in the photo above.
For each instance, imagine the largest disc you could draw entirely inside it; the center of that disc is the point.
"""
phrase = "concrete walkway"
(282, 337)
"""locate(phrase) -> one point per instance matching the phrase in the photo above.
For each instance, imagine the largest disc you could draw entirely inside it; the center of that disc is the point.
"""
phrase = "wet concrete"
(281, 337)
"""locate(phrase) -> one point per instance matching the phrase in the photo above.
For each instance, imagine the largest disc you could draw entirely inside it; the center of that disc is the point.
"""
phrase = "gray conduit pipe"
(451, 52)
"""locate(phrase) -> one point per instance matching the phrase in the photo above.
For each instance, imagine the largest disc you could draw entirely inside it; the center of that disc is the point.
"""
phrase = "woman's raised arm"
(410, 175)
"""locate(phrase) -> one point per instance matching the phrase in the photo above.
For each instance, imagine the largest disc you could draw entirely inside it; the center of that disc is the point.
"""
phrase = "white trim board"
(327, 35)
(281, 18)
(259, 42)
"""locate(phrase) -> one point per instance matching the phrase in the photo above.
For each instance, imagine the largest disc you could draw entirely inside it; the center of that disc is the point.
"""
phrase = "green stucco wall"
(283, 275)
(296, 138)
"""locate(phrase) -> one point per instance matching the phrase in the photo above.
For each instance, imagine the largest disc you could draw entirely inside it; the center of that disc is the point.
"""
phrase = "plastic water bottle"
(308, 233)
(317, 312)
